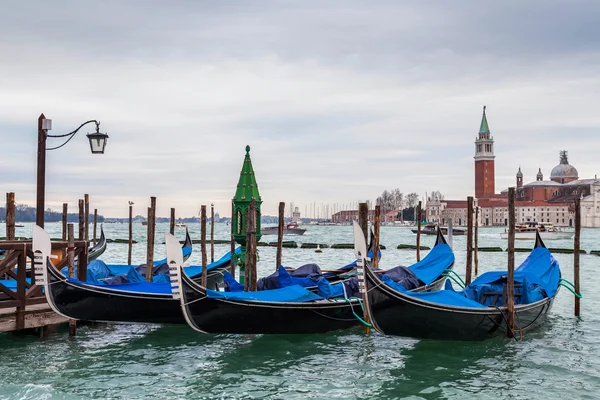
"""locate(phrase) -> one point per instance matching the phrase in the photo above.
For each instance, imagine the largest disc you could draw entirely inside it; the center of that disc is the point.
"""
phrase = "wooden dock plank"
(35, 316)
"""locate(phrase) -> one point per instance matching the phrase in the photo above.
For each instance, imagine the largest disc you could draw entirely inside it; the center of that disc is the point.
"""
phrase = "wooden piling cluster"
(26, 307)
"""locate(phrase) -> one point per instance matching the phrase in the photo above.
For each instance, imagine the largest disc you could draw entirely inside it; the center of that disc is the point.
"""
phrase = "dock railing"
(18, 288)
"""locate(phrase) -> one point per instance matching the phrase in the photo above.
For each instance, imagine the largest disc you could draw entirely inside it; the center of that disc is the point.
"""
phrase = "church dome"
(564, 170)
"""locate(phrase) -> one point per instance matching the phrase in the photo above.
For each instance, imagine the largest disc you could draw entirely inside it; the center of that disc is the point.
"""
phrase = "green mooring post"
(247, 189)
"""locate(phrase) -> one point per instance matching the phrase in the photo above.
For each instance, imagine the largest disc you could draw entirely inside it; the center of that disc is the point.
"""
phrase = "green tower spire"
(247, 189)
(484, 124)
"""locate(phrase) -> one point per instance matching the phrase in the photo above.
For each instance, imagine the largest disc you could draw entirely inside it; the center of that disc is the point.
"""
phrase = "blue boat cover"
(535, 279)
(329, 290)
(403, 276)
(231, 285)
(284, 279)
(290, 294)
(434, 264)
(100, 273)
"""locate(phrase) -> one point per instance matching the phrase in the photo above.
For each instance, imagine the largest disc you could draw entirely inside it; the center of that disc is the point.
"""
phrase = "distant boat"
(19, 226)
(180, 225)
(145, 223)
(431, 229)
(528, 231)
(290, 229)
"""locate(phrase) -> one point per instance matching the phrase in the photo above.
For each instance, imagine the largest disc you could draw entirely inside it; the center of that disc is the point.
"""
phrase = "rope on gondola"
(462, 283)
(570, 288)
(512, 331)
(459, 283)
(352, 308)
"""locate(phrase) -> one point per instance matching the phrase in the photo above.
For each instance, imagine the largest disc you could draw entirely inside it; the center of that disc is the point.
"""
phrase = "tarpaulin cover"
(329, 290)
(404, 276)
(434, 264)
(285, 279)
(272, 281)
(101, 273)
(536, 278)
(231, 285)
(290, 294)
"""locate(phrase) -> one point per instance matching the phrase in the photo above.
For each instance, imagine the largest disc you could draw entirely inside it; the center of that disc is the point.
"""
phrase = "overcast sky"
(338, 100)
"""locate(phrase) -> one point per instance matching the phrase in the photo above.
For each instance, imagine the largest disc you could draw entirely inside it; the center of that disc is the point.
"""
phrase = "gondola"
(99, 272)
(94, 251)
(141, 302)
(476, 313)
(98, 249)
(288, 310)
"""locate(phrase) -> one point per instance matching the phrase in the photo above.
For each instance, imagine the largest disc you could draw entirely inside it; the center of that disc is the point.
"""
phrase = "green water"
(144, 361)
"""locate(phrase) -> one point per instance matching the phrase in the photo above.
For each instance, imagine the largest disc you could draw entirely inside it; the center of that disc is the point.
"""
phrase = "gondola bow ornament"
(360, 251)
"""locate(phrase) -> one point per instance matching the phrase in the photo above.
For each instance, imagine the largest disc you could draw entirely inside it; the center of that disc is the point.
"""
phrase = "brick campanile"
(484, 161)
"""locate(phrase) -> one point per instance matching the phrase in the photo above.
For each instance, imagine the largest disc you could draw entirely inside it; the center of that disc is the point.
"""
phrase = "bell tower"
(484, 161)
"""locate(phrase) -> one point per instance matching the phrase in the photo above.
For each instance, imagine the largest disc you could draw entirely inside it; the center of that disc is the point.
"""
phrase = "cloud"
(337, 100)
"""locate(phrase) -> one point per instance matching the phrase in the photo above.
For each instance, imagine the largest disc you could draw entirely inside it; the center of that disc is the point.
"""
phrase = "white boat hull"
(544, 235)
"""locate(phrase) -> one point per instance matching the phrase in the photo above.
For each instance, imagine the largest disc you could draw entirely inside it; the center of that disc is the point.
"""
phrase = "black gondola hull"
(394, 313)
(210, 315)
(97, 303)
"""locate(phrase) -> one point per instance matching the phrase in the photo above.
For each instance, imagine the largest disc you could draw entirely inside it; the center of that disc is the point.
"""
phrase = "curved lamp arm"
(72, 134)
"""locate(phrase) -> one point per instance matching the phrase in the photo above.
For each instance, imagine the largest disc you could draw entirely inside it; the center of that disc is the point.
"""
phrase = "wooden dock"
(25, 307)
(34, 316)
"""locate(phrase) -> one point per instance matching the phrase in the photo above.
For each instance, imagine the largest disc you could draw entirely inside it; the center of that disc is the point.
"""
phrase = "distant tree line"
(25, 213)
(395, 200)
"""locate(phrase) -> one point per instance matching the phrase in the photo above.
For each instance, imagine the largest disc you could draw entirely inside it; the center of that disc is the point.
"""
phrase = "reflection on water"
(149, 361)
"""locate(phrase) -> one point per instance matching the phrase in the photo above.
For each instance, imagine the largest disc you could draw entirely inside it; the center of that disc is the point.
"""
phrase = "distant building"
(348, 216)
(296, 215)
(549, 201)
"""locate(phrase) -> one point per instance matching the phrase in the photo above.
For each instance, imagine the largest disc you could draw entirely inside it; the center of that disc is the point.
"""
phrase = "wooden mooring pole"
(10, 216)
(376, 233)
(81, 220)
(64, 226)
(419, 232)
(450, 233)
(233, 262)
(363, 221)
(95, 223)
(280, 235)
(250, 282)
(86, 199)
(203, 245)
(510, 278)
(71, 270)
(576, 252)
(212, 233)
(476, 242)
(130, 233)
(469, 266)
(172, 222)
(151, 227)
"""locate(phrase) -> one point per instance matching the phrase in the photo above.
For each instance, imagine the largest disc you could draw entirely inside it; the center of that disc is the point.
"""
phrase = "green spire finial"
(247, 149)
(484, 124)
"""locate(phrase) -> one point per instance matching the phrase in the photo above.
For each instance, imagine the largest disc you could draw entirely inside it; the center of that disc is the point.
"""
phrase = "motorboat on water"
(527, 231)
(431, 229)
(290, 229)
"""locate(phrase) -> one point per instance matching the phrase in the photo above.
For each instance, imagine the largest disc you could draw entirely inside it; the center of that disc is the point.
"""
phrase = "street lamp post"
(97, 146)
